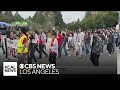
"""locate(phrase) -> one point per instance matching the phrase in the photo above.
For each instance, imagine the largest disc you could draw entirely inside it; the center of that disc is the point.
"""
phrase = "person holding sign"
(22, 46)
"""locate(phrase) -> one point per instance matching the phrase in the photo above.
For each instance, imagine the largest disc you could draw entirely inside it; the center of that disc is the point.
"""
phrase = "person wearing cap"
(22, 46)
(53, 50)
(96, 48)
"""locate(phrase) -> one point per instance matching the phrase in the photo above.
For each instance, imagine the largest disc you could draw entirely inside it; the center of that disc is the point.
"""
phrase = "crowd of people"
(74, 43)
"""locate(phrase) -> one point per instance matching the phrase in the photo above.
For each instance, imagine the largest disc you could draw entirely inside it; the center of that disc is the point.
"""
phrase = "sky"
(68, 16)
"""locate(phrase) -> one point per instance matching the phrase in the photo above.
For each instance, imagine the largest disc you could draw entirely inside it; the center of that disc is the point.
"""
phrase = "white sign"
(12, 47)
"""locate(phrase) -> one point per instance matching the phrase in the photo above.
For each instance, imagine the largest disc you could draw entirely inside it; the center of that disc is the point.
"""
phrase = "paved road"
(73, 65)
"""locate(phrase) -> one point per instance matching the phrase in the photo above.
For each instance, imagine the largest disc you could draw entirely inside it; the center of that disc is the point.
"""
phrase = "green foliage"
(58, 19)
(103, 19)
(8, 17)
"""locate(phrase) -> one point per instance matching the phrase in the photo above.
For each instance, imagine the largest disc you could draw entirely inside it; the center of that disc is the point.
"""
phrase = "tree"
(1, 12)
(103, 18)
(8, 14)
(35, 17)
(39, 17)
(17, 17)
(29, 18)
(58, 19)
(49, 19)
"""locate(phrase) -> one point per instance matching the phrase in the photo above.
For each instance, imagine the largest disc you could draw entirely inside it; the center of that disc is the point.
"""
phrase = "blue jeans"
(87, 48)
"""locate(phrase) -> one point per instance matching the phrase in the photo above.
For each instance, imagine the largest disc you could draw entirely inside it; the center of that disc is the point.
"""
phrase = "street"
(73, 65)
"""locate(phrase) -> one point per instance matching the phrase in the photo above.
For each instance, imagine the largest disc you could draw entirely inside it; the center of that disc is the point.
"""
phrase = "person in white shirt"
(77, 42)
(36, 35)
(42, 41)
(71, 44)
(81, 43)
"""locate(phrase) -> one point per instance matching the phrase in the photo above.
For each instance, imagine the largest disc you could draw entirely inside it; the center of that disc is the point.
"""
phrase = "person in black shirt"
(32, 49)
(96, 49)
(103, 40)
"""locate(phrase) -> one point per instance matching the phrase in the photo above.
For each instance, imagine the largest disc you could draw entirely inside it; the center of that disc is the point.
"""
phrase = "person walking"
(119, 39)
(110, 42)
(53, 50)
(103, 41)
(81, 43)
(64, 41)
(59, 38)
(36, 38)
(22, 46)
(32, 48)
(2, 43)
(87, 41)
(96, 49)
(42, 41)
(77, 43)
(71, 45)
(115, 34)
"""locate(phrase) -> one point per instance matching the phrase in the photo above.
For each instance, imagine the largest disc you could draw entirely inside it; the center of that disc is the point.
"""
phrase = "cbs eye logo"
(9, 68)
